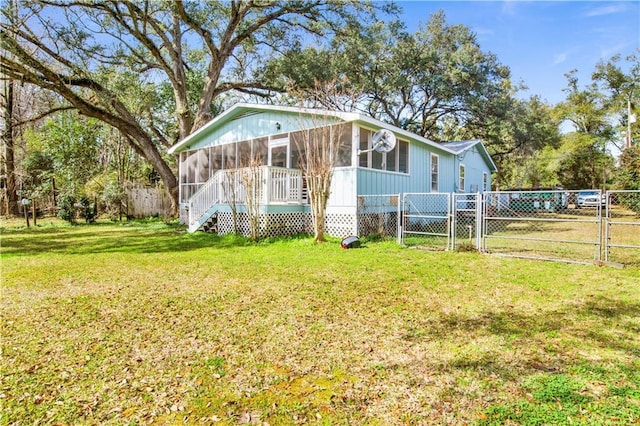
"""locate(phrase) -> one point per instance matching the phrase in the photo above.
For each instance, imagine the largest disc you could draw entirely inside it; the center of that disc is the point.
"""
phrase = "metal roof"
(243, 108)
(239, 109)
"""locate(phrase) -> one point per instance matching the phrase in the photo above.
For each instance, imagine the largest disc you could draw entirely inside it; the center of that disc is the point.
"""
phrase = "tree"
(520, 142)
(8, 172)
(420, 82)
(320, 145)
(63, 155)
(10, 195)
(586, 162)
(251, 178)
(105, 57)
(623, 90)
(437, 83)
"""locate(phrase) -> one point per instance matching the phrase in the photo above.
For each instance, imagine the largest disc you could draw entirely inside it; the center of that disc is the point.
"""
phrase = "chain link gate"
(622, 227)
(466, 229)
(544, 224)
(426, 220)
(571, 226)
(377, 215)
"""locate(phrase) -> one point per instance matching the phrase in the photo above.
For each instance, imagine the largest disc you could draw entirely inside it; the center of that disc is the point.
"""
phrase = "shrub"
(114, 198)
(66, 208)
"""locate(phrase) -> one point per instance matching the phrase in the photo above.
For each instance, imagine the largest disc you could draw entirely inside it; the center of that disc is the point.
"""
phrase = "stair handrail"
(209, 194)
(278, 185)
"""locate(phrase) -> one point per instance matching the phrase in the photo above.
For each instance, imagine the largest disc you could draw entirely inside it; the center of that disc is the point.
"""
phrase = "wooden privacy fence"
(145, 201)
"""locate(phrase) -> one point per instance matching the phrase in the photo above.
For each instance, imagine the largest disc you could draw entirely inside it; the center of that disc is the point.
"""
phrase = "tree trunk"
(9, 158)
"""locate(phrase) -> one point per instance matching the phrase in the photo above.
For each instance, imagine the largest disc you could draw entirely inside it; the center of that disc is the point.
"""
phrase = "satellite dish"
(383, 141)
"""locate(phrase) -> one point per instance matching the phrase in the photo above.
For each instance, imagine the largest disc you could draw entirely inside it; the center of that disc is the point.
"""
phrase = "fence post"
(453, 207)
(605, 246)
(399, 219)
(478, 219)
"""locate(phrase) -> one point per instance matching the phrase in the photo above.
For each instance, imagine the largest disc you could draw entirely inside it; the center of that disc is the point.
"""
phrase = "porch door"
(279, 153)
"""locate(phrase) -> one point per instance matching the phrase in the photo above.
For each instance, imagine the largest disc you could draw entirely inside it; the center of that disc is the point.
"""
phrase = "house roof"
(244, 108)
(240, 109)
(460, 147)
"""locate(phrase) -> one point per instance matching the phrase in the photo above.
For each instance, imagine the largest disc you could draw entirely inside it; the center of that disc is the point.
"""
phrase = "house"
(210, 160)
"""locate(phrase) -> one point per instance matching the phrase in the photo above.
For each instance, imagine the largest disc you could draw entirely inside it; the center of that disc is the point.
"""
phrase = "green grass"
(142, 323)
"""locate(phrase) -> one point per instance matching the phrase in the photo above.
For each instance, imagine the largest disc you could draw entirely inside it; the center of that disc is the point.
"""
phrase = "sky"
(540, 41)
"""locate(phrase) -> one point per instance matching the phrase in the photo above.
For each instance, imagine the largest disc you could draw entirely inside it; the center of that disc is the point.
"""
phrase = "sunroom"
(248, 160)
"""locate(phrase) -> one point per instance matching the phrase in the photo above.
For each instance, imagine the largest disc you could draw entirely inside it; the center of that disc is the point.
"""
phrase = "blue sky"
(540, 41)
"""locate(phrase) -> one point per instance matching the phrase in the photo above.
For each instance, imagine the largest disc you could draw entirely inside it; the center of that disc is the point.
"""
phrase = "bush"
(114, 198)
(66, 208)
(88, 209)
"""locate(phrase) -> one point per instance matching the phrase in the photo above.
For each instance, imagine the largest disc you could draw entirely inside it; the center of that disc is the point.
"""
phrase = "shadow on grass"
(532, 329)
(130, 237)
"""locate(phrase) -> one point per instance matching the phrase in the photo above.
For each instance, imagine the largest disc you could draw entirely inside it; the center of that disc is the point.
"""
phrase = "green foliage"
(88, 209)
(583, 162)
(581, 397)
(66, 208)
(65, 150)
(38, 171)
(522, 144)
(556, 388)
(114, 197)
(628, 172)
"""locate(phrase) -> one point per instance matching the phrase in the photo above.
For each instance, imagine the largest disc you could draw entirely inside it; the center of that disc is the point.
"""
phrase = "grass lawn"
(143, 323)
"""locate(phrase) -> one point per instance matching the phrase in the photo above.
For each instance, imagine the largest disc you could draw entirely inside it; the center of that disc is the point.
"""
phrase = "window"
(229, 156)
(363, 159)
(260, 152)
(485, 181)
(279, 155)
(403, 156)
(202, 173)
(391, 159)
(377, 161)
(216, 159)
(434, 173)
(461, 179)
(345, 147)
(397, 160)
(244, 154)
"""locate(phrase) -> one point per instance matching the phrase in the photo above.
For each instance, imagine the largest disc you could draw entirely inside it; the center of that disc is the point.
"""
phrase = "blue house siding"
(255, 125)
(372, 182)
(411, 160)
(475, 166)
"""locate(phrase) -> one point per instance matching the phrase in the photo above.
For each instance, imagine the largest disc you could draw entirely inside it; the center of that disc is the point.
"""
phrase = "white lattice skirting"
(340, 224)
(285, 224)
(270, 224)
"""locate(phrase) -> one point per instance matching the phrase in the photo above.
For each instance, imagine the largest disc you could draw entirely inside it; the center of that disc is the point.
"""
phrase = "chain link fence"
(572, 226)
(622, 227)
(552, 224)
(467, 221)
(377, 216)
(426, 220)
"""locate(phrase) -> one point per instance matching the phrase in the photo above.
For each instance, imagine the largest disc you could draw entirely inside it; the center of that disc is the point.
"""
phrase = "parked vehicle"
(592, 198)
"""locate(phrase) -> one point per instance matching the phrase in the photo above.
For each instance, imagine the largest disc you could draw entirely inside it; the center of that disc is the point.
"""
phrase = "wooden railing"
(275, 185)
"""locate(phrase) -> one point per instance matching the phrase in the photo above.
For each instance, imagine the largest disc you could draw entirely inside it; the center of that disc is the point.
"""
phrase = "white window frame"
(461, 176)
(437, 181)
(278, 143)
(384, 156)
